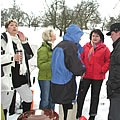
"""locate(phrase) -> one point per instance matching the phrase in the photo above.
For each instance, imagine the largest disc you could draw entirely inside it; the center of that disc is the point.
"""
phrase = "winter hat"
(47, 34)
(73, 33)
(114, 27)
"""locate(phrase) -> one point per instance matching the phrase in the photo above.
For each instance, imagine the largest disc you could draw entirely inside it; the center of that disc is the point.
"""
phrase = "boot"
(78, 115)
(91, 118)
(82, 118)
(26, 106)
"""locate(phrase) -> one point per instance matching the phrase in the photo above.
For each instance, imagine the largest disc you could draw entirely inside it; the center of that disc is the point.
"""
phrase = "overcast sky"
(106, 8)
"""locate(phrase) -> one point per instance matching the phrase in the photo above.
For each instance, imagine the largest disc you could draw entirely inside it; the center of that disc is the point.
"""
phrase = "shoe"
(91, 118)
(77, 116)
(82, 118)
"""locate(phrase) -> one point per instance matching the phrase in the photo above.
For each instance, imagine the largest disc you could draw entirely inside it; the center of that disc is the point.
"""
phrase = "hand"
(18, 57)
(21, 36)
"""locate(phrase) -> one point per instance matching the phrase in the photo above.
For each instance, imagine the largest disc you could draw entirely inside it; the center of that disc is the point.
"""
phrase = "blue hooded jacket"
(66, 65)
(60, 74)
(73, 34)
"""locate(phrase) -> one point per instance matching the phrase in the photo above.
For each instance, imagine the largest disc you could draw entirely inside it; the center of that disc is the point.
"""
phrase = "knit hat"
(47, 34)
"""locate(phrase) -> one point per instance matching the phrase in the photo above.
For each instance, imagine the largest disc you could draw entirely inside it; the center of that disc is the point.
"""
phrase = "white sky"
(107, 7)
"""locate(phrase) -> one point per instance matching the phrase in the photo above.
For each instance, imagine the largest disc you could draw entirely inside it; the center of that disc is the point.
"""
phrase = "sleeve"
(42, 59)
(82, 57)
(105, 68)
(28, 50)
(73, 63)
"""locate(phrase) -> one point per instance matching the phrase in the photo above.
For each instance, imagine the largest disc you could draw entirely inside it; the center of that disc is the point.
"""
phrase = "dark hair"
(8, 22)
(99, 32)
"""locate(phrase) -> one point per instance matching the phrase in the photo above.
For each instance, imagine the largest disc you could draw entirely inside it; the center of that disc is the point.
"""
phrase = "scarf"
(23, 67)
(91, 51)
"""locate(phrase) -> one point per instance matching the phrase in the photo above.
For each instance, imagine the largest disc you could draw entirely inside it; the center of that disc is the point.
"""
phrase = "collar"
(116, 42)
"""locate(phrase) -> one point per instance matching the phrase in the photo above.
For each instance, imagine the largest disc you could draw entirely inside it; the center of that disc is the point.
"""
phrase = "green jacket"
(44, 55)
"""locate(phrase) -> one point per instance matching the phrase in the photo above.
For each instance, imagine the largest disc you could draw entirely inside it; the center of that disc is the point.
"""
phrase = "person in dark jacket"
(66, 65)
(16, 73)
(96, 57)
(113, 83)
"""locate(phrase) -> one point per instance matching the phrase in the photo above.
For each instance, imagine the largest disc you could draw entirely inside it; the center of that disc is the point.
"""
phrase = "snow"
(35, 40)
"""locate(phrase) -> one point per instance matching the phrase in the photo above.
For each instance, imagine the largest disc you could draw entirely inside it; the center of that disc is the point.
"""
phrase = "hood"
(73, 33)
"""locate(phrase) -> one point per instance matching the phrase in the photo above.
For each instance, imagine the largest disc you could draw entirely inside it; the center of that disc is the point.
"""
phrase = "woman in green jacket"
(44, 54)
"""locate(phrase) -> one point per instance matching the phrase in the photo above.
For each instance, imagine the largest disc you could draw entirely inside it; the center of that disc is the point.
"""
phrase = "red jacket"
(100, 64)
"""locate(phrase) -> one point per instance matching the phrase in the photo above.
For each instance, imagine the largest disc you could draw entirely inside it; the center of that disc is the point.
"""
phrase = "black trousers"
(66, 107)
(5, 113)
(12, 106)
(95, 92)
(114, 109)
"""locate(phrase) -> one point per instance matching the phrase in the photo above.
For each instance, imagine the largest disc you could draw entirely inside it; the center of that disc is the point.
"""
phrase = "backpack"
(4, 37)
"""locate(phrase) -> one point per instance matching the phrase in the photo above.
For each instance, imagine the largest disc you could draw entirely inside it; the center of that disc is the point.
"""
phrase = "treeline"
(60, 16)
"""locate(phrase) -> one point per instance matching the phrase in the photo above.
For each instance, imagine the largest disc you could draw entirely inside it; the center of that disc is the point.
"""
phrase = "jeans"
(46, 100)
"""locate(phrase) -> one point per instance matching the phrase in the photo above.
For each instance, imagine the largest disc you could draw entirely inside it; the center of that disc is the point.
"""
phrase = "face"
(12, 28)
(95, 38)
(115, 36)
(53, 37)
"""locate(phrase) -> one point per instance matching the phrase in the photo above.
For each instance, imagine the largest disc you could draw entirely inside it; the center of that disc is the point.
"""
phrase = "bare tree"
(87, 13)
(60, 16)
(4, 18)
(111, 21)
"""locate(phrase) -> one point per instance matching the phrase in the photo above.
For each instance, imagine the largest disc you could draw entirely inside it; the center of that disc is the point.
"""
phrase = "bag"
(2, 52)
(4, 37)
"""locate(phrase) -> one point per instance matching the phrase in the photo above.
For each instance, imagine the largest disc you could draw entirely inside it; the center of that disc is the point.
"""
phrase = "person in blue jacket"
(66, 65)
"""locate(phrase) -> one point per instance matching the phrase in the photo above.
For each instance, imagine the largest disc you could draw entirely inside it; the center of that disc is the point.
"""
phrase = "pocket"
(97, 69)
(109, 91)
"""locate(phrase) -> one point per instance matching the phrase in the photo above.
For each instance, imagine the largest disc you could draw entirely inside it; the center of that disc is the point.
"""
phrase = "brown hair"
(8, 22)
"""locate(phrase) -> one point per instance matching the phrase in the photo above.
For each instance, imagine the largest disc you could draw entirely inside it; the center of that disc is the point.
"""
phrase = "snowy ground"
(102, 109)
(35, 40)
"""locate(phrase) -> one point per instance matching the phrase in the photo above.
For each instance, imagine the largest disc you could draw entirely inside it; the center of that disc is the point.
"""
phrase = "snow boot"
(26, 106)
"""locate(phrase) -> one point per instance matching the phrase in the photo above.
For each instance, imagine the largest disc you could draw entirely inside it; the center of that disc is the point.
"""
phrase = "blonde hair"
(8, 22)
(47, 35)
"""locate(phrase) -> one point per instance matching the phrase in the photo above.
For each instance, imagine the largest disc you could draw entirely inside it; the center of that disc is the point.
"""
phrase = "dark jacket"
(113, 83)
(66, 65)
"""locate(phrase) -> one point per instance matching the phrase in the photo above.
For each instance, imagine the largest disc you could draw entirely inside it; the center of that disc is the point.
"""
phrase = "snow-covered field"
(35, 40)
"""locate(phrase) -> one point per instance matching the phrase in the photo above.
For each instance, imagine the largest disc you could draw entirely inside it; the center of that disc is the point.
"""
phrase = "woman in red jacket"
(96, 57)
